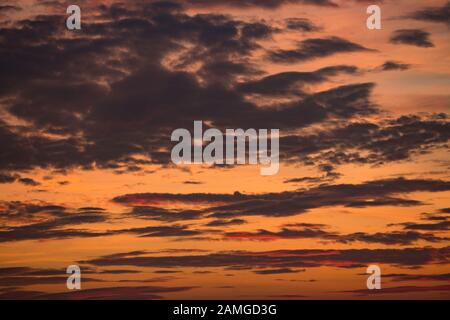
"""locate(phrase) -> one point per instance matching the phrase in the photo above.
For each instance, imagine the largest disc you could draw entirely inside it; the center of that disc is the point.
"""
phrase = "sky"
(86, 176)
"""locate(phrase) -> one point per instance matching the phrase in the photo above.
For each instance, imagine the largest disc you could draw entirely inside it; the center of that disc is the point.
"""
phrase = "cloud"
(418, 277)
(276, 271)
(6, 178)
(394, 65)
(18, 281)
(285, 258)
(160, 231)
(224, 223)
(285, 233)
(288, 296)
(368, 142)
(192, 182)
(109, 293)
(390, 238)
(315, 48)
(19, 210)
(415, 37)
(27, 276)
(221, 46)
(29, 182)
(29, 221)
(282, 204)
(53, 229)
(400, 290)
(208, 60)
(438, 226)
(157, 213)
(27, 271)
(301, 24)
(433, 14)
(45, 221)
(267, 4)
(6, 9)
(300, 232)
(304, 179)
(293, 82)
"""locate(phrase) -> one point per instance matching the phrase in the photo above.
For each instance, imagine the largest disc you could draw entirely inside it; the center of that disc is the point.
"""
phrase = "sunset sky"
(86, 176)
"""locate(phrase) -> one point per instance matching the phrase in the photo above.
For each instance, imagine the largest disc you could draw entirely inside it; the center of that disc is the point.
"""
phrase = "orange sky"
(331, 213)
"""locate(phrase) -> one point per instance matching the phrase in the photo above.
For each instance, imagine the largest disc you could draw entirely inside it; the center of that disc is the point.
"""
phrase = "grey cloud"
(288, 203)
(277, 271)
(286, 258)
(433, 14)
(108, 293)
(301, 24)
(394, 65)
(415, 37)
(315, 48)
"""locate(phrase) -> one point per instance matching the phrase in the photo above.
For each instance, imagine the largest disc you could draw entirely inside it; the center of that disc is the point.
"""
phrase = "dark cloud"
(306, 225)
(328, 177)
(401, 290)
(224, 223)
(46, 222)
(161, 231)
(394, 65)
(28, 221)
(91, 209)
(268, 4)
(257, 30)
(27, 271)
(6, 178)
(18, 281)
(315, 48)
(160, 198)
(126, 117)
(192, 182)
(7, 8)
(277, 271)
(434, 218)
(418, 277)
(56, 229)
(301, 24)
(288, 296)
(439, 226)
(285, 233)
(304, 179)
(207, 59)
(288, 203)
(167, 271)
(157, 213)
(118, 271)
(433, 14)
(393, 140)
(293, 82)
(387, 238)
(28, 182)
(26, 276)
(110, 293)
(286, 258)
(415, 37)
